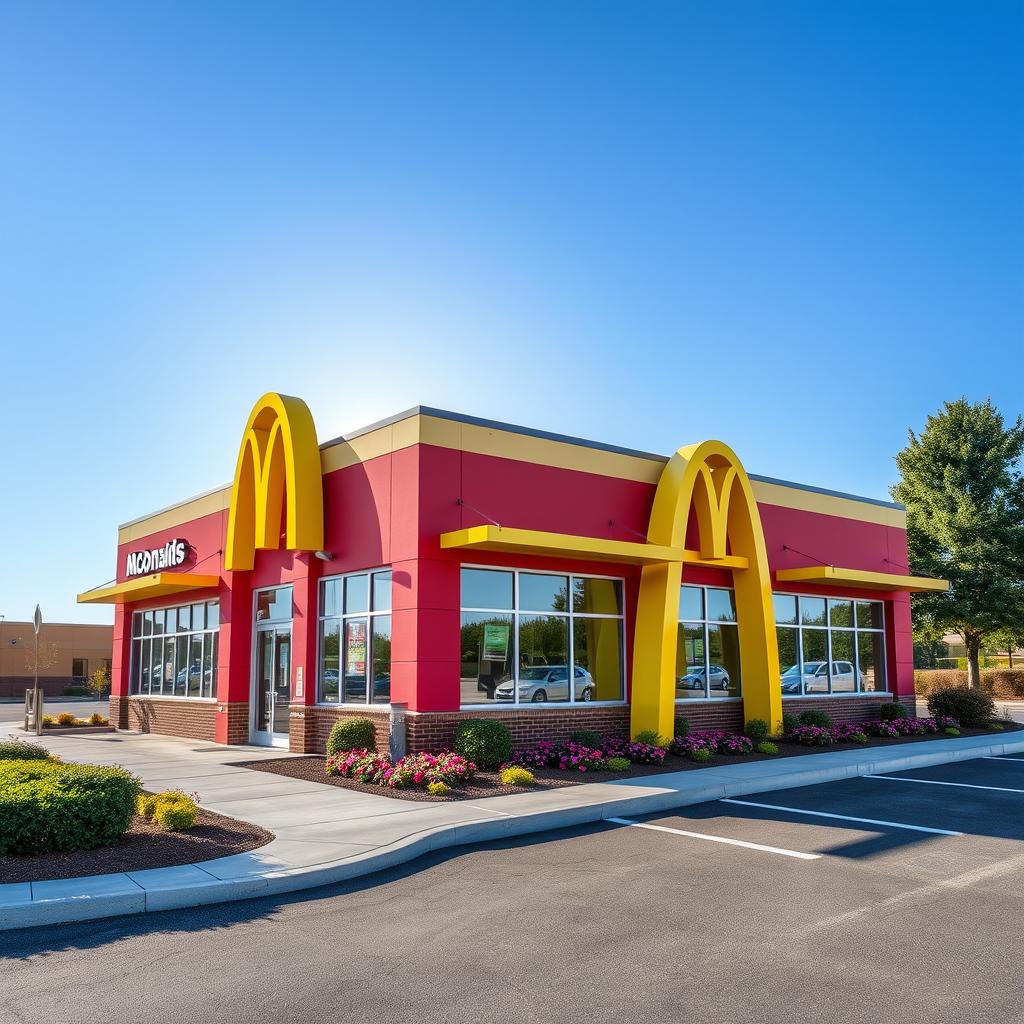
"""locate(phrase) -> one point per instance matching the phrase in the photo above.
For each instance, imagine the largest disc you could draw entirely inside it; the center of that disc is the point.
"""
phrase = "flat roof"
(514, 428)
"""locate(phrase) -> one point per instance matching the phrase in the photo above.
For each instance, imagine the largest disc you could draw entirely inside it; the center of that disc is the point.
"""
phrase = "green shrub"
(618, 764)
(352, 734)
(97, 719)
(767, 747)
(969, 707)
(682, 725)
(997, 726)
(438, 788)
(145, 804)
(892, 710)
(651, 737)
(756, 730)
(486, 743)
(816, 718)
(701, 754)
(65, 718)
(789, 723)
(516, 776)
(48, 805)
(174, 811)
(48, 721)
(859, 737)
(951, 731)
(20, 750)
(587, 738)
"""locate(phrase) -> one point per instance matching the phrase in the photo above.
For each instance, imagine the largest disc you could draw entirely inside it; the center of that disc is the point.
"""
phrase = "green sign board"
(495, 641)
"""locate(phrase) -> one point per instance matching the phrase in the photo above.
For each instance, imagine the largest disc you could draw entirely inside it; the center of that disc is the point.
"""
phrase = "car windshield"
(695, 672)
(813, 666)
(793, 670)
(536, 672)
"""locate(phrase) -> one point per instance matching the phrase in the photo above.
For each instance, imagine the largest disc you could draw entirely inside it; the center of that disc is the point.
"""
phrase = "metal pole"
(38, 702)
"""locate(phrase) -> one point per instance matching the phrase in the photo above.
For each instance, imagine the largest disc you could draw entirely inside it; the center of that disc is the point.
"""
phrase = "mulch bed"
(143, 846)
(485, 784)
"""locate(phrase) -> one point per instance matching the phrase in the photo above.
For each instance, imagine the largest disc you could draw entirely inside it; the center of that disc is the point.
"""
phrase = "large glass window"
(355, 638)
(708, 651)
(830, 645)
(174, 651)
(524, 635)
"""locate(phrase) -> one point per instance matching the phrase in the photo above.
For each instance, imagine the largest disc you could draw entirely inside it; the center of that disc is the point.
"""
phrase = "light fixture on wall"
(325, 556)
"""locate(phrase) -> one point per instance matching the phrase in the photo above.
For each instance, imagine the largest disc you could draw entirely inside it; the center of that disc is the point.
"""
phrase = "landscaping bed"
(488, 783)
(143, 846)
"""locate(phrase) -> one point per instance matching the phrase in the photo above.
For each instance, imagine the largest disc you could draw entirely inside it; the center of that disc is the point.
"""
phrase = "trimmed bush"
(20, 750)
(352, 734)
(859, 737)
(145, 804)
(700, 754)
(789, 723)
(587, 738)
(174, 811)
(618, 764)
(47, 805)
(757, 729)
(816, 718)
(767, 747)
(516, 776)
(439, 789)
(973, 708)
(487, 744)
(997, 726)
(682, 725)
(893, 710)
(97, 719)
(48, 721)
(66, 718)
(951, 731)
(1004, 683)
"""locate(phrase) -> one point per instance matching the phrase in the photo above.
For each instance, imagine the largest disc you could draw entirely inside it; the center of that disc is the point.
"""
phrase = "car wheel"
(725, 682)
(539, 697)
(587, 694)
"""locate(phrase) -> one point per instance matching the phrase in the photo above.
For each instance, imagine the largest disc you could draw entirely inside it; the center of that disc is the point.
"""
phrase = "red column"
(899, 642)
(121, 655)
(234, 660)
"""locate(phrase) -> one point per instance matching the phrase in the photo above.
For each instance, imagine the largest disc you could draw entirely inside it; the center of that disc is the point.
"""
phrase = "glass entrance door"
(272, 684)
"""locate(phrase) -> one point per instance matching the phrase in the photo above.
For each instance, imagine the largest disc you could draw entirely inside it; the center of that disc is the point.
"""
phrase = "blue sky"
(793, 226)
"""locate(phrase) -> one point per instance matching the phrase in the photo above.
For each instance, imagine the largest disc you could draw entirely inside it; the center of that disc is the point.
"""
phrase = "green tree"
(99, 682)
(962, 485)
(1007, 639)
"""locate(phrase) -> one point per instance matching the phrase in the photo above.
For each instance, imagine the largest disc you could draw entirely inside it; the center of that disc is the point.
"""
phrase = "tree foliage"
(964, 492)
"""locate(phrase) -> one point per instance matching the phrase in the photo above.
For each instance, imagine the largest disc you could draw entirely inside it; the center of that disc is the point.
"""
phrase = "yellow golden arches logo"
(277, 476)
(709, 478)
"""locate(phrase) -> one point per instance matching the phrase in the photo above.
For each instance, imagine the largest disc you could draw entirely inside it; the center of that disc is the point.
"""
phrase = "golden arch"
(278, 468)
(709, 478)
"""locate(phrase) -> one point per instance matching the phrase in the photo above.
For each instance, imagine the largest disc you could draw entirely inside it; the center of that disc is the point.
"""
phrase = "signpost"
(37, 699)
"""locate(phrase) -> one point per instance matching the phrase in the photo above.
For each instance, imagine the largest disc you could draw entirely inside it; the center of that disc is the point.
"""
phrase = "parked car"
(815, 677)
(718, 679)
(540, 683)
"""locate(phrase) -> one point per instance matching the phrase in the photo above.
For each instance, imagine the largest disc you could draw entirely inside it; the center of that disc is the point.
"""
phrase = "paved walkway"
(328, 834)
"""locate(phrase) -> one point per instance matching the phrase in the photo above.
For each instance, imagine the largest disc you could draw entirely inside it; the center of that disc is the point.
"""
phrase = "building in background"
(452, 567)
(69, 653)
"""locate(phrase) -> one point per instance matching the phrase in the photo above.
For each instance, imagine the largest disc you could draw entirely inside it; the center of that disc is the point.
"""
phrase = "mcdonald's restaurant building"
(434, 566)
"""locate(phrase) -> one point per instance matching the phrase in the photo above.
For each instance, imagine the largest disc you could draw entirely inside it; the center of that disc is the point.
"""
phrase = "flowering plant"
(736, 745)
(712, 740)
(643, 753)
(361, 765)
(565, 756)
(423, 769)
(811, 736)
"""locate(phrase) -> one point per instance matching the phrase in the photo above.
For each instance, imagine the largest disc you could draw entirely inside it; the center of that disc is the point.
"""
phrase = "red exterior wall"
(391, 510)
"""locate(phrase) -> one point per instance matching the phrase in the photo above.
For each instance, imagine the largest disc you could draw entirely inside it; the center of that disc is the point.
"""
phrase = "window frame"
(341, 619)
(704, 623)
(142, 637)
(799, 626)
(569, 615)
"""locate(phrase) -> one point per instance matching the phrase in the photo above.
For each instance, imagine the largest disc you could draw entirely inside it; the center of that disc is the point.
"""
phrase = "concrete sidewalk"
(328, 834)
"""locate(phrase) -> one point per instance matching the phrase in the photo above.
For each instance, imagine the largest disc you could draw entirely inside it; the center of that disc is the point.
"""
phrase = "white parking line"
(717, 839)
(845, 817)
(934, 782)
(1005, 757)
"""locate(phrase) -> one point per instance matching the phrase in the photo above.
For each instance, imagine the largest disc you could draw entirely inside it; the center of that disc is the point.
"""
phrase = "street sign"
(37, 620)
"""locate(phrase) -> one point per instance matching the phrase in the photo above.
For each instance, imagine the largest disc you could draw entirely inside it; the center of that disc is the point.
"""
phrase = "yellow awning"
(860, 578)
(565, 545)
(157, 584)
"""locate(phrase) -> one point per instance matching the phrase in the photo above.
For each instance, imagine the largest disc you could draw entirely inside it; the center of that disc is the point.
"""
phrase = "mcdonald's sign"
(277, 482)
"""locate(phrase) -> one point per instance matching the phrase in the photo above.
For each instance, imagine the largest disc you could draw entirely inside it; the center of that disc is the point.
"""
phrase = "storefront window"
(838, 646)
(543, 638)
(174, 651)
(355, 638)
(708, 651)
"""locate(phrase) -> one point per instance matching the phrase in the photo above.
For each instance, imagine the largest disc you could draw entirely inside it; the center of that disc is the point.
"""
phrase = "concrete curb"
(31, 904)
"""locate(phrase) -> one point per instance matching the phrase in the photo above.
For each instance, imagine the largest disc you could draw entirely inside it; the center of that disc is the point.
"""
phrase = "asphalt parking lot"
(780, 907)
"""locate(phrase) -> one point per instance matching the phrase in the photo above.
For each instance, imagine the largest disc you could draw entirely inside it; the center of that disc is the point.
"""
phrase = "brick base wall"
(192, 719)
(311, 725)
(839, 709)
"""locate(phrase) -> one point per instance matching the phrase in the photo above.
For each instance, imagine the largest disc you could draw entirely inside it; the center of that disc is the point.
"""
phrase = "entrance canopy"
(157, 584)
